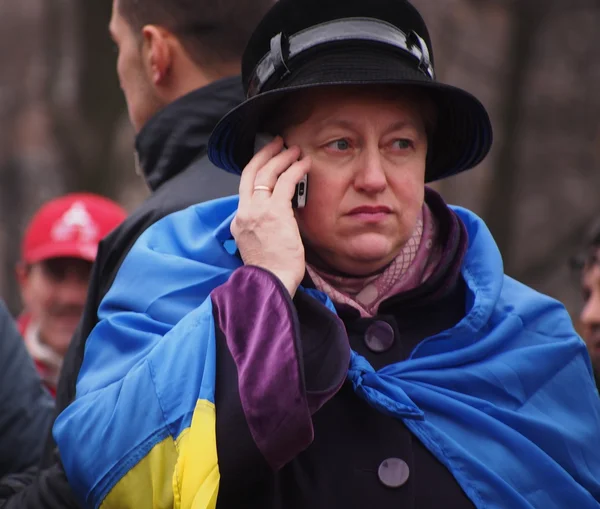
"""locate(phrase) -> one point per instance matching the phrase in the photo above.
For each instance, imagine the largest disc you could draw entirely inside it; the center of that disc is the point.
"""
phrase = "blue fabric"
(505, 399)
(152, 355)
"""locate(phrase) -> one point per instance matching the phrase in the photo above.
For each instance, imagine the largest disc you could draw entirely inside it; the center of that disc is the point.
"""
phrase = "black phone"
(301, 193)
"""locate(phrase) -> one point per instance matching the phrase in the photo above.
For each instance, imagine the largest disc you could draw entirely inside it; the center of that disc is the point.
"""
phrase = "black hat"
(303, 44)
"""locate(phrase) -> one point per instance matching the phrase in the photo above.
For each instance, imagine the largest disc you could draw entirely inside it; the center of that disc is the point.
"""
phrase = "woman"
(366, 349)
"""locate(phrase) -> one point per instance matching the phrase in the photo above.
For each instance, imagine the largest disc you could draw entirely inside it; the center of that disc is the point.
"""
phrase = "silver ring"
(263, 188)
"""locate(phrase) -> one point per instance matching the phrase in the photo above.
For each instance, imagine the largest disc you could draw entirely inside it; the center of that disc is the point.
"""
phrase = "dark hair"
(211, 31)
(590, 253)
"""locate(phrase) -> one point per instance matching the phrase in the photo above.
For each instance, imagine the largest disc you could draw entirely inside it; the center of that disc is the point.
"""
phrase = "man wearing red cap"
(58, 250)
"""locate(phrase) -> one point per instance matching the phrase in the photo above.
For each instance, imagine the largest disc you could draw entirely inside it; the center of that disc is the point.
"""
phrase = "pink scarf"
(413, 265)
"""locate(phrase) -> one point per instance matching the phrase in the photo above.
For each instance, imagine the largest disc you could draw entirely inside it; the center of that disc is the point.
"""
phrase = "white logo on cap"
(76, 220)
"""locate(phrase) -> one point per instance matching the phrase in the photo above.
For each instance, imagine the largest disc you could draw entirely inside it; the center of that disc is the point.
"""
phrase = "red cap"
(71, 226)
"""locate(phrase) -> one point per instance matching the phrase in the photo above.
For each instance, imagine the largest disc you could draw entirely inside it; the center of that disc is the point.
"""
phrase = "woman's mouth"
(370, 213)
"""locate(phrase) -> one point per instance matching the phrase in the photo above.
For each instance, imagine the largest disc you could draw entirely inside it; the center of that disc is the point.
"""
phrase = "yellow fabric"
(174, 475)
(197, 472)
(149, 484)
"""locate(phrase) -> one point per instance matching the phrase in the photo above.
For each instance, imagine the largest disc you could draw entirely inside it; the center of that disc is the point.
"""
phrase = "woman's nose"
(370, 176)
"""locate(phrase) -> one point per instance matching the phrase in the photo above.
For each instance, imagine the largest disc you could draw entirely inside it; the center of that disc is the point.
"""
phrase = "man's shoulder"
(201, 181)
(26, 407)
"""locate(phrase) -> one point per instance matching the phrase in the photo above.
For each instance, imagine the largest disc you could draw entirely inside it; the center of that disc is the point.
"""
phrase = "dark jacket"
(26, 408)
(172, 154)
(353, 472)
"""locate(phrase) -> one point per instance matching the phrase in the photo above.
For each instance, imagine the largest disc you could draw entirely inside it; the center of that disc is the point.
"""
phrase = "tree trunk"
(13, 96)
(499, 212)
(102, 102)
(84, 122)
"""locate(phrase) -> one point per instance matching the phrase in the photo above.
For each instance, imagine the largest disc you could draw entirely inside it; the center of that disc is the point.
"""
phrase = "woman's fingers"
(264, 227)
(267, 176)
(260, 159)
(286, 184)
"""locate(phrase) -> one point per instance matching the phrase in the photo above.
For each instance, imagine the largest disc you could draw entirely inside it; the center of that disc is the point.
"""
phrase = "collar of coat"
(178, 134)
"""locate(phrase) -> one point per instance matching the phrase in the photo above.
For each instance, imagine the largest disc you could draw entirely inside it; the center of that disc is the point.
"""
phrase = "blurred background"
(535, 64)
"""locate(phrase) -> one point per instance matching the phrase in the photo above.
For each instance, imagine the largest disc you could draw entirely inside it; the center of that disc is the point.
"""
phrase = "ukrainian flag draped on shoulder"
(136, 423)
(505, 399)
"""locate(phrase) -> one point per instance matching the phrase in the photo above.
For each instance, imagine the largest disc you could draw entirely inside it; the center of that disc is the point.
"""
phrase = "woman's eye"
(340, 145)
(403, 144)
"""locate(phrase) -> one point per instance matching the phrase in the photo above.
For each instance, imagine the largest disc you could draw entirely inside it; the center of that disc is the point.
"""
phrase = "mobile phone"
(301, 193)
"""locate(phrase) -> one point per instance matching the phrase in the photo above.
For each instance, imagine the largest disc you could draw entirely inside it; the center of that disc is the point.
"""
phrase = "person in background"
(587, 265)
(58, 249)
(26, 408)
(178, 65)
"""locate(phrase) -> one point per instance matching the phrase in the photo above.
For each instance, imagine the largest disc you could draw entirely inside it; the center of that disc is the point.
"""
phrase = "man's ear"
(22, 271)
(157, 53)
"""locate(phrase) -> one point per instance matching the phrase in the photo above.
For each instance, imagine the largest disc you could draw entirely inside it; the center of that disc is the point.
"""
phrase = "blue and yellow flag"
(505, 399)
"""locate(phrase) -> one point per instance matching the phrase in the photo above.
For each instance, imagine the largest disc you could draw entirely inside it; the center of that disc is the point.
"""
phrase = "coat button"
(379, 337)
(393, 472)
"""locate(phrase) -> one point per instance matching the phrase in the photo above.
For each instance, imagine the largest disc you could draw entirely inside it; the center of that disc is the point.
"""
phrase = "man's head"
(59, 247)
(168, 48)
(589, 264)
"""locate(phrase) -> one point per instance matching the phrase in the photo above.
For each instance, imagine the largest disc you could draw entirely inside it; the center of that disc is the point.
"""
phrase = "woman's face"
(366, 183)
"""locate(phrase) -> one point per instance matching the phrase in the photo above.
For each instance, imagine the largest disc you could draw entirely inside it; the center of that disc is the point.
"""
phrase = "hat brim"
(77, 250)
(462, 136)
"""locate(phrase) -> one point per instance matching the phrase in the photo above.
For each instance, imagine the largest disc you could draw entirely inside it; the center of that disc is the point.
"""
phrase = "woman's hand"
(264, 227)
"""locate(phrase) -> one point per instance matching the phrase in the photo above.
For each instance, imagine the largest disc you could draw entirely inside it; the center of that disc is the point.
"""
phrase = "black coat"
(172, 154)
(26, 408)
(356, 448)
